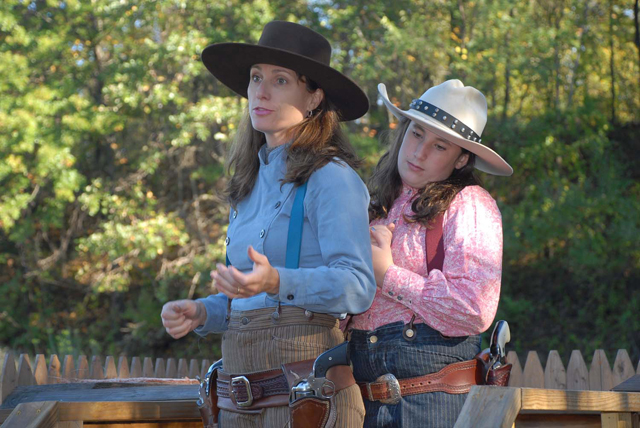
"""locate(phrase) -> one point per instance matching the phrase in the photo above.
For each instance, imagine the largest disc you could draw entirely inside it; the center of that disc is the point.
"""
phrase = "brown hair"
(316, 141)
(385, 184)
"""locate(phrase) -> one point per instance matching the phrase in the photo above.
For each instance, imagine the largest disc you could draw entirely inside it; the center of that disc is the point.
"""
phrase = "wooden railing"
(598, 376)
(49, 372)
(576, 375)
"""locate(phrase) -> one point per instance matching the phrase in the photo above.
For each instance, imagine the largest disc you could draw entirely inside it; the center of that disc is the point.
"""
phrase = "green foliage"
(113, 140)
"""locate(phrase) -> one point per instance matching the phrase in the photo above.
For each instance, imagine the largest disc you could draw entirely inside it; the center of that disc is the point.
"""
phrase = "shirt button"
(290, 297)
(278, 204)
(226, 241)
(399, 297)
(235, 214)
(262, 233)
(373, 339)
(391, 293)
(245, 320)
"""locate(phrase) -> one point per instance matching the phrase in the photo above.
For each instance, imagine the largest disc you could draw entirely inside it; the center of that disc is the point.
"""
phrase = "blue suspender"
(294, 240)
(294, 237)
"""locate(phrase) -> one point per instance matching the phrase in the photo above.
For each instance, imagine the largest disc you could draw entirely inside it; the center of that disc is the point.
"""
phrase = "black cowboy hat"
(292, 46)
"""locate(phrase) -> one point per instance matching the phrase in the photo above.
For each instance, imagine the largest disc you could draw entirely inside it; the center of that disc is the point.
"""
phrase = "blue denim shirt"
(335, 274)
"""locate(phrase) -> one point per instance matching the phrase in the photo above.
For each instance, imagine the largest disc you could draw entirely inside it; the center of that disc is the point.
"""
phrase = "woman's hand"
(381, 236)
(235, 284)
(179, 317)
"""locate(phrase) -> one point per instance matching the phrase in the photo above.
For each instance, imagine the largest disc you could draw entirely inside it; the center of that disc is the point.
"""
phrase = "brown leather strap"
(435, 244)
(268, 389)
(456, 378)
(271, 388)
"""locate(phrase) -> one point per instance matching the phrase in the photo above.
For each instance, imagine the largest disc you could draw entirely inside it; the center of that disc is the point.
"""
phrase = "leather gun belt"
(248, 393)
(456, 378)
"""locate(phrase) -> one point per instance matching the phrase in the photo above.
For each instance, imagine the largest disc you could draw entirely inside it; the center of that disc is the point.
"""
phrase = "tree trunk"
(637, 38)
(612, 65)
(584, 27)
(556, 57)
(507, 72)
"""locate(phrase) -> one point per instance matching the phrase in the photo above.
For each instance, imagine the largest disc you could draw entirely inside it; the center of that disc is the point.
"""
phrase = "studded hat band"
(446, 119)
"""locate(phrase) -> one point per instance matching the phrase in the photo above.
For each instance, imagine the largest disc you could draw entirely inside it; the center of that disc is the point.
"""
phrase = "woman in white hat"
(437, 255)
(296, 263)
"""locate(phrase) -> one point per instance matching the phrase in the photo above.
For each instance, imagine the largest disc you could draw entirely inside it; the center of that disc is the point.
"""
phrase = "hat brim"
(231, 63)
(486, 159)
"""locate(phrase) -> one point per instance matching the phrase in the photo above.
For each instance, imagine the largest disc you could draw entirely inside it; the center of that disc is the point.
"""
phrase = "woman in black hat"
(298, 242)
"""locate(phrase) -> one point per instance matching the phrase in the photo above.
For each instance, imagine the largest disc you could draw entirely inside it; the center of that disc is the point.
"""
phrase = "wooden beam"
(490, 407)
(181, 424)
(548, 420)
(616, 420)
(101, 391)
(42, 414)
(128, 411)
(79, 424)
(545, 400)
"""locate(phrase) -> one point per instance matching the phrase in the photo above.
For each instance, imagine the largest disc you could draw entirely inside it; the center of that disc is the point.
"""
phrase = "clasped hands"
(235, 284)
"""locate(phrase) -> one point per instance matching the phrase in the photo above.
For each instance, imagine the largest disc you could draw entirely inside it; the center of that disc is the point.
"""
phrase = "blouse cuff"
(391, 288)
(216, 309)
(400, 285)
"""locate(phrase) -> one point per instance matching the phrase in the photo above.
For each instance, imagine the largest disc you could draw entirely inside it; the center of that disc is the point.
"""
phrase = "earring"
(309, 113)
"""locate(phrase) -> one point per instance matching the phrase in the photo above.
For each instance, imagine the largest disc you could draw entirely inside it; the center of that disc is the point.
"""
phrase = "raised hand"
(235, 284)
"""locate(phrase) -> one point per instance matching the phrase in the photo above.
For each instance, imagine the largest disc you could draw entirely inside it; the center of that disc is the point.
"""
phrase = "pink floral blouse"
(460, 300)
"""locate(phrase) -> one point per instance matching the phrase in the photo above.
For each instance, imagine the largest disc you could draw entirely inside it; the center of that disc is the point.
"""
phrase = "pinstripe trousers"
(255, 342)
(384, 350)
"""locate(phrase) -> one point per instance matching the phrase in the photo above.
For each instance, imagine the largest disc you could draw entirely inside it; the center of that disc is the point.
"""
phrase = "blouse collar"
(408, 191)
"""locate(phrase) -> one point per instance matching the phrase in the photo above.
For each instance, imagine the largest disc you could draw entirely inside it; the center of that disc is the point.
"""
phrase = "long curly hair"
(315, 142)
(385, 184)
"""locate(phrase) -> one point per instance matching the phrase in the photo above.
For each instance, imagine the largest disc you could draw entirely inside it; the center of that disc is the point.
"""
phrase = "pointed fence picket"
(576, 375)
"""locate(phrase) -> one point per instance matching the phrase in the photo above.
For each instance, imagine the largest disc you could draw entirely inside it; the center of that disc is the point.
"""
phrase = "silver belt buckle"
(393, 387)
(245, 382)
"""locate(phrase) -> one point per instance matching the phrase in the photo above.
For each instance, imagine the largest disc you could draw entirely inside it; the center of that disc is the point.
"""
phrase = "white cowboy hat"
(458, 114)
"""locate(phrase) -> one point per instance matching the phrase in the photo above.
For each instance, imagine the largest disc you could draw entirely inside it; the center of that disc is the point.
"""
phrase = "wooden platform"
(139, 407)
(127, 414)
(491, 407)
(103, 405)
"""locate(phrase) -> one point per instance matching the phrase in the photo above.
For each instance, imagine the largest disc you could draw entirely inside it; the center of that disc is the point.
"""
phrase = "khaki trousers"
(256, 342)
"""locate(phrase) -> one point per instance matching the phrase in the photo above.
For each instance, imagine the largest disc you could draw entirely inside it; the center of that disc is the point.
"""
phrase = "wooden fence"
(576, 375)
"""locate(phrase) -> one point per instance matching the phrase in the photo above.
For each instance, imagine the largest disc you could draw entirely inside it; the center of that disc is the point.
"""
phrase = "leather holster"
(208, 401)
(491, 376)
(315, 412)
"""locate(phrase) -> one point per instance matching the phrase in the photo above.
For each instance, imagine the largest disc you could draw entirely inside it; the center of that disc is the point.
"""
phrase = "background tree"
(113, 139)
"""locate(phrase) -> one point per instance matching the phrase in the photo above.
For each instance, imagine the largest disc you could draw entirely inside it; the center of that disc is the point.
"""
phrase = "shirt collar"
(267, 155)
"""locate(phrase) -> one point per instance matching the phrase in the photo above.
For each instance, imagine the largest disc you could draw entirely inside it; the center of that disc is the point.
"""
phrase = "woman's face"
(278, 100)
(426, 158)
